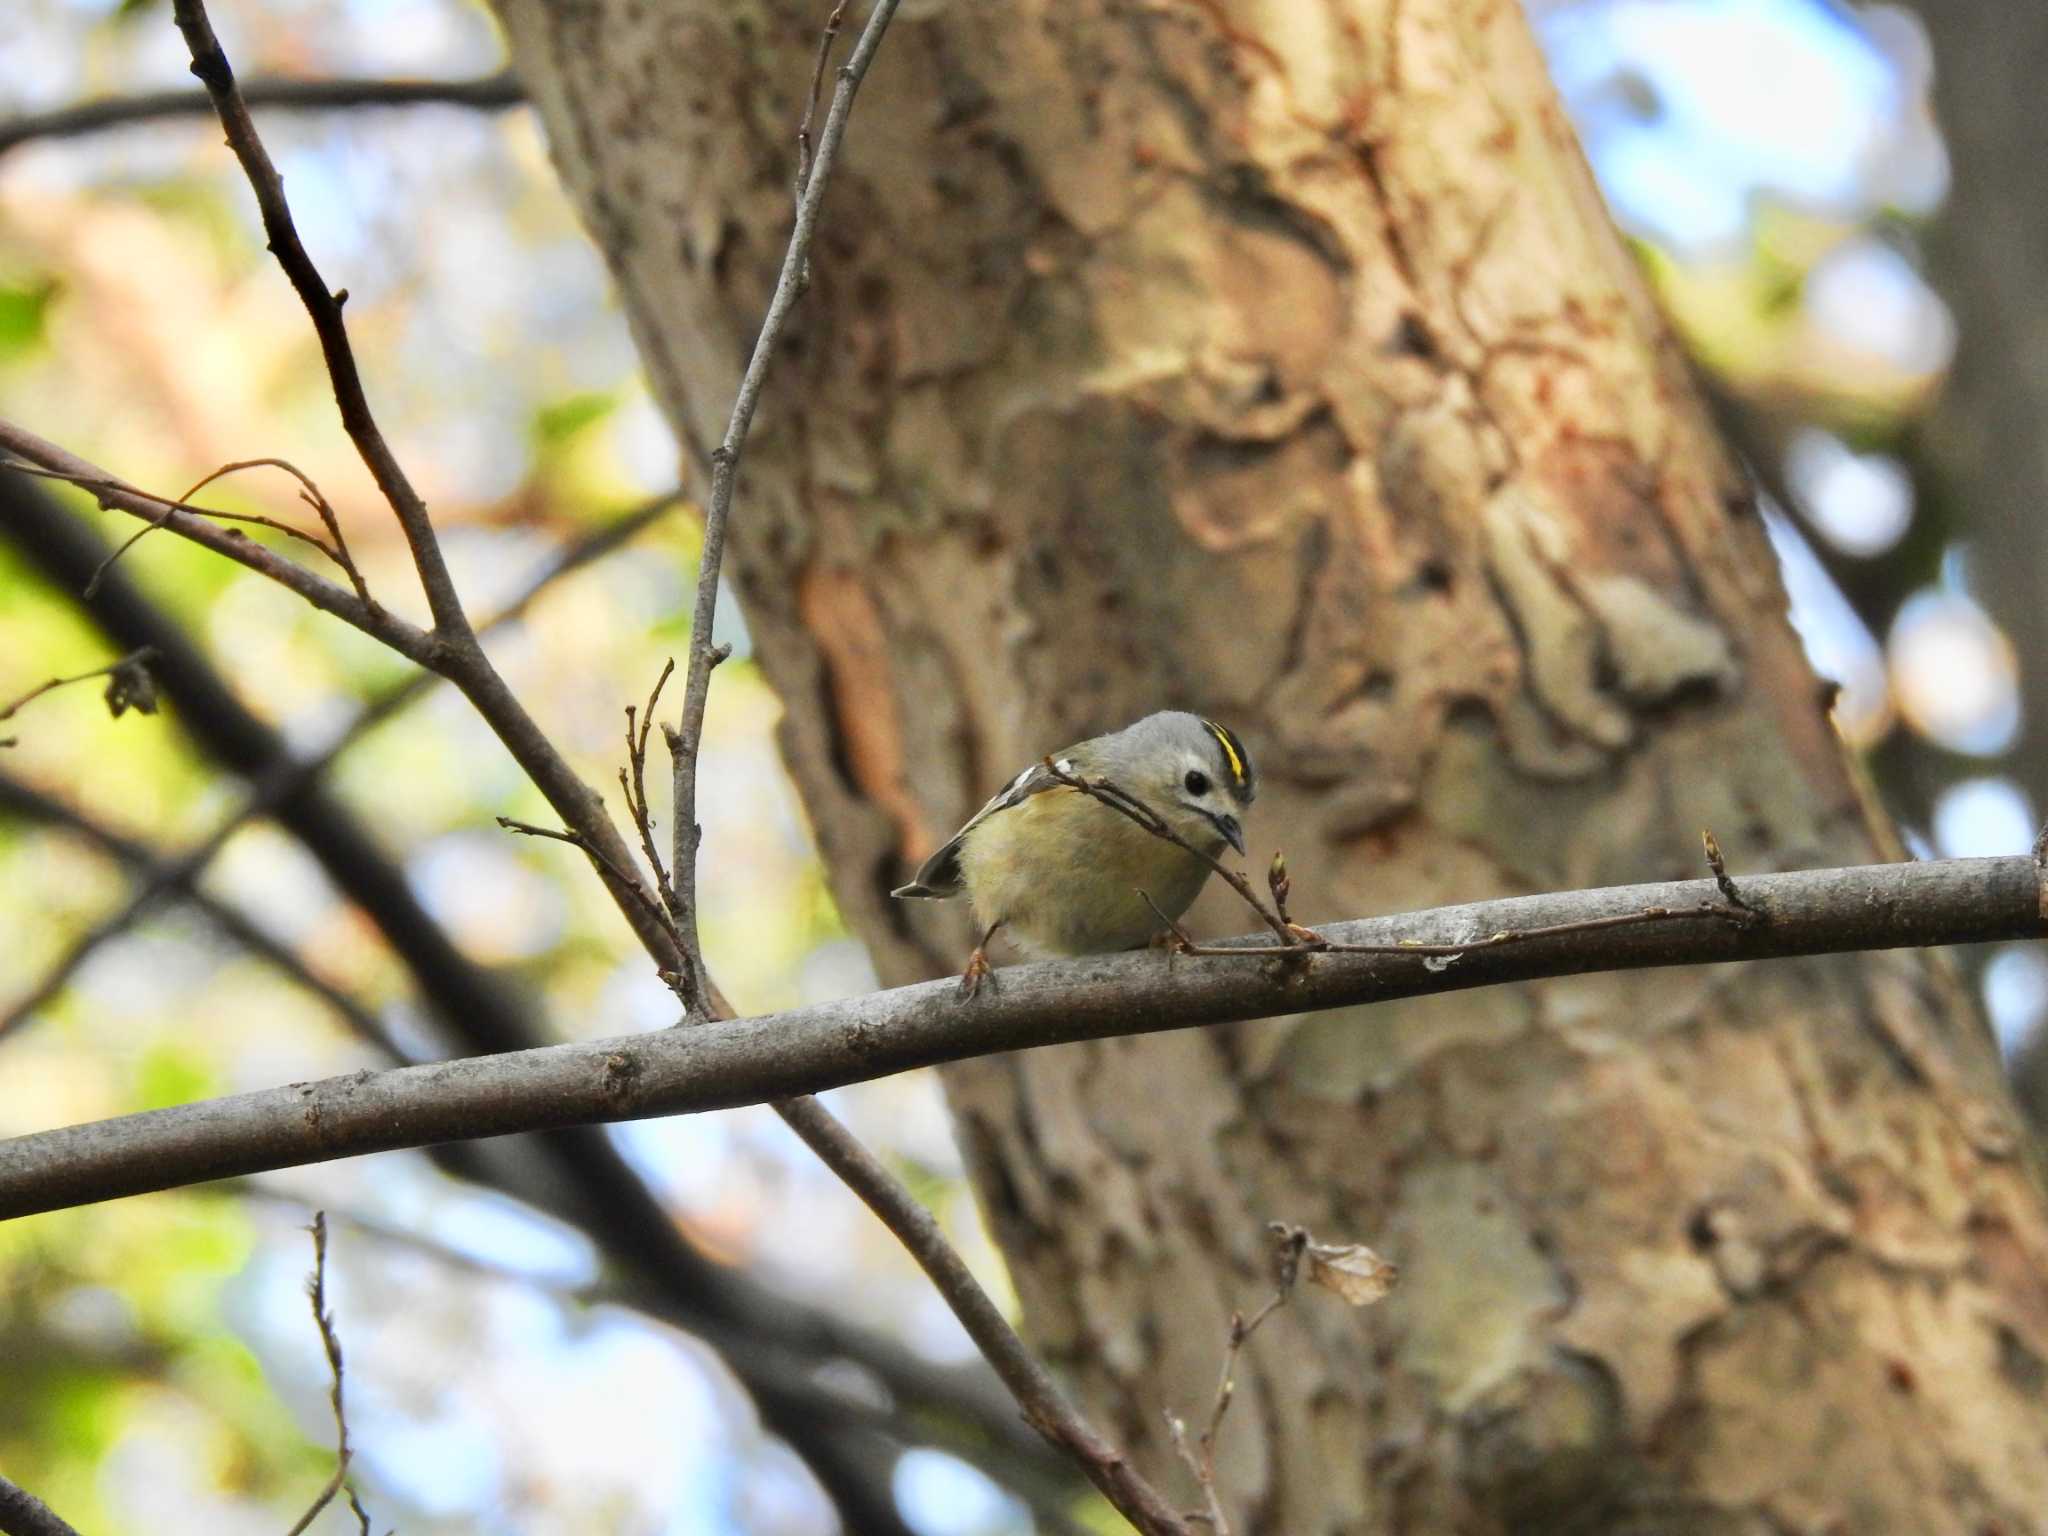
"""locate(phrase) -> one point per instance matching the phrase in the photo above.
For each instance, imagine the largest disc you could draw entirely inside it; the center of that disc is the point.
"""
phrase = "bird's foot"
(978, 971)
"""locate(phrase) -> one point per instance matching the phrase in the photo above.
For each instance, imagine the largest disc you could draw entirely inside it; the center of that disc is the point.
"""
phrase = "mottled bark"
(1278, 360)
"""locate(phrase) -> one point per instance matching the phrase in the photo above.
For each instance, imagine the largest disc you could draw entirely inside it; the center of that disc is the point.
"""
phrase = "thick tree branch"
(806, 1050)
(487, 93)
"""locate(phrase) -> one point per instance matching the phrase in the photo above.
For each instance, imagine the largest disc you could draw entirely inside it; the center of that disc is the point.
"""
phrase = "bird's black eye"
(1197, 782)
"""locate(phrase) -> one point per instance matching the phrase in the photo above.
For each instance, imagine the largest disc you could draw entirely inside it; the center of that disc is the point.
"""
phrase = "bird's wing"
(939, 876)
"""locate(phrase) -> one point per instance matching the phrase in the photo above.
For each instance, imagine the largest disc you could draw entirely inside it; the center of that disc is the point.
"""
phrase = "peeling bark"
(1278, 360)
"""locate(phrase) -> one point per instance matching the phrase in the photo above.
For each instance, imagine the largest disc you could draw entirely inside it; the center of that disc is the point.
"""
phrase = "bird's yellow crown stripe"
(1229, 749)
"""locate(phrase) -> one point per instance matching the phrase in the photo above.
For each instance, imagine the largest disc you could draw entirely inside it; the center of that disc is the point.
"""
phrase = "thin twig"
(316, 1292)
(323, 307)
(619, 879)
(488, 93)
(633, 781)
(826, 39)
(1044, 1406)
(309, 493)
(1297, 942)
(1200, 1455)
(1127, 804)
(1720, 868)
(686, 739)
(49, 461)
(130, 688)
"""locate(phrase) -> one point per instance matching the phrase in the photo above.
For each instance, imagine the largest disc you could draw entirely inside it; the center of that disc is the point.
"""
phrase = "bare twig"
(633, 782)
(685, 740)
(50, 461)
(1045, 1407)
(323, 307)
(826, 39)
(1199, 1456)
(810, 1049)
(1720, 868)
(130, 687)
(620, 879)
(316, 1292)
(23, 1514)
(308, 492)
(485, 93)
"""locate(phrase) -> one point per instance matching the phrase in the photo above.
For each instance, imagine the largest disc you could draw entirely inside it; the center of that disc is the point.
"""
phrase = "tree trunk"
(1278, 361)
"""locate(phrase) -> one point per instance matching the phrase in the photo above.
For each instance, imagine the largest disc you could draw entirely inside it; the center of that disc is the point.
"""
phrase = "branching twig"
(316, 1292)
(49, 461)
(486, 93)
(1044, 1406)
(323, 308)
(1200, 1456)
(619, 879)
(308, 493)
(633, 782)
(1351, 1270)
(106, 484)
(686, 739)
(130, 687)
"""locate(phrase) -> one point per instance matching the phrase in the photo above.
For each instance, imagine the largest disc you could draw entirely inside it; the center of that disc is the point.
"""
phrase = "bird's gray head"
(1194, 772)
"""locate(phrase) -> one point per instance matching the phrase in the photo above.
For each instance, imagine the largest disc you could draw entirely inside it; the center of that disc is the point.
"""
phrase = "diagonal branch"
(807, 1050)
(487, 93)
(23, 1514)
(323, 307)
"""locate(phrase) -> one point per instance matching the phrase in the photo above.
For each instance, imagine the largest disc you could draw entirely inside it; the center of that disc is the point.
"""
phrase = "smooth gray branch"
(806, 1050)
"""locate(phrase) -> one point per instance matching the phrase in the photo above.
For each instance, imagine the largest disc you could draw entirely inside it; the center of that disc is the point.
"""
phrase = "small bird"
(1068, 875)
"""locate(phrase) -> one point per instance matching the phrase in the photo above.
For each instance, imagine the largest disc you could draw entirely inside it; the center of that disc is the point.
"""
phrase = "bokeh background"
(1780, 167)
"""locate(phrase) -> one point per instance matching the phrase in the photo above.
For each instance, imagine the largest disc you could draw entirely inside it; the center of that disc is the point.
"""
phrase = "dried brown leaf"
(1352, 1270)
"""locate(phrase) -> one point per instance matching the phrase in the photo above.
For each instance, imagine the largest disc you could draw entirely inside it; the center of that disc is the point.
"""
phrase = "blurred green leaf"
(24, 315)
(554, 425)
(170, 1074)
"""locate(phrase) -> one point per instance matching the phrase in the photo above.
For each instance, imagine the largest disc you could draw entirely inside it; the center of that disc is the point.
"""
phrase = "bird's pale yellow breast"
(1064, 873)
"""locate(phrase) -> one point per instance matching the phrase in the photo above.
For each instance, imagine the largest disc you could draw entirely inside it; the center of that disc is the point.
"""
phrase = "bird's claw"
(978, 971)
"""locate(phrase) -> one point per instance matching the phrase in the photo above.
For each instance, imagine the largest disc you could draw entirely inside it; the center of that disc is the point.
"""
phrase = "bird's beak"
(1233, 834)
